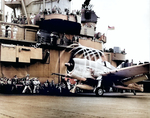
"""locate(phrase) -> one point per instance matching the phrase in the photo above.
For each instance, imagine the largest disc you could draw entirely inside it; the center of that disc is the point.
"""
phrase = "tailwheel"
(99, 91)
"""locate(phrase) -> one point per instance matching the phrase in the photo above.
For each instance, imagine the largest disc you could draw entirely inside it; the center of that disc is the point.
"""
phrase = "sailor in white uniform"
(27, 85)
(9, 31)
(15, 32)
(36, 84)
(3, 30)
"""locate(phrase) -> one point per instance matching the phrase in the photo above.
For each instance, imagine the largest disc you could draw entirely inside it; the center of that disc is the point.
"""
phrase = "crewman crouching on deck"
(27, 84)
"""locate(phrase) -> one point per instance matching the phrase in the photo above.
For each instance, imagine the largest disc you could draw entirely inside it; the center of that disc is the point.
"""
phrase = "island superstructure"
(42, 47)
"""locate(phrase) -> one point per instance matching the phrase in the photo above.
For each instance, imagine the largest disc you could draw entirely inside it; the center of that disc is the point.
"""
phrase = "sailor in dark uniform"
(10, 84)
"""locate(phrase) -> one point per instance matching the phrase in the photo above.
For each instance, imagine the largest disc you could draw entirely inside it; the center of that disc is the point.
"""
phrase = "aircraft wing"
(128, 72)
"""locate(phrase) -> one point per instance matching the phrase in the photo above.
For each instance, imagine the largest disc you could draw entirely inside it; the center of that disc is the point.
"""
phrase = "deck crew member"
(27, 84)
(36, 84)
(47, 87)
(9, 82)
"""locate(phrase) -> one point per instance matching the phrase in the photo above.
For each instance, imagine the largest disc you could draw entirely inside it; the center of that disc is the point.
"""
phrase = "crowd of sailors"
(29, 85)
(22, 19)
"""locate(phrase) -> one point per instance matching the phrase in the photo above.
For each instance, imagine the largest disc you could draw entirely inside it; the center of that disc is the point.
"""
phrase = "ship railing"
(72, 18)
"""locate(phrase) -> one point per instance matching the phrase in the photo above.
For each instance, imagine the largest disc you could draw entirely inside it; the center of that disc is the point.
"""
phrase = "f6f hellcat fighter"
(91, 70)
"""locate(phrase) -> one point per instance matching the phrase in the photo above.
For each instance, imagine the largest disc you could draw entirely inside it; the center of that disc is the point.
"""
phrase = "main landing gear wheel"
(99, 91)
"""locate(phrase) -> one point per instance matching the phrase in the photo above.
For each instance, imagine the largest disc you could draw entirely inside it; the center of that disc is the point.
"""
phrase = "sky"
(131, 19)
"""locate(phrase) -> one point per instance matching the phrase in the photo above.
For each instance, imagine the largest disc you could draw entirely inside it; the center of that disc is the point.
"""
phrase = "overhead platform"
(13, 4)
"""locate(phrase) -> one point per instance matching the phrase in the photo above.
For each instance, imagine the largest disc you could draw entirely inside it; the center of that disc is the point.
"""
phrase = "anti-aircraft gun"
(86, 4)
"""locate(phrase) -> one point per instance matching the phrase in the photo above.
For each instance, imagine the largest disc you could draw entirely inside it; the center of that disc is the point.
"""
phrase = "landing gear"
(99, 91)
(134, 92)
